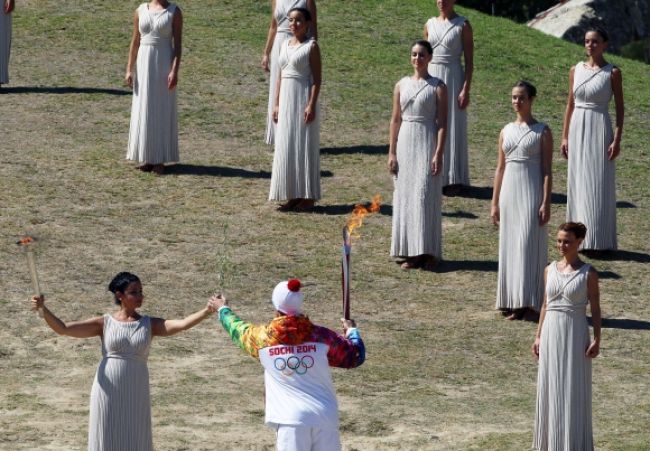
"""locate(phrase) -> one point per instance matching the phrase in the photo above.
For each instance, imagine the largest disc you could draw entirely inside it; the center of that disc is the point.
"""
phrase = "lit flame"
(356, 219)
(26, 240)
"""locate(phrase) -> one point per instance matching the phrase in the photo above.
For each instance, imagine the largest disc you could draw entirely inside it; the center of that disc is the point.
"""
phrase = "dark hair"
(578, 229)
(304, 11)
(425, 44)
(531, 90)
(120, 282)
(601, 31)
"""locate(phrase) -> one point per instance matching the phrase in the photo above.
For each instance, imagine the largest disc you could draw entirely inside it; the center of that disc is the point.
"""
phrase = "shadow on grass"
(368, 150)
(485, 193)
(222, 171)
(624, 204)
(467, 265)
(620, 255)
(63, 90)
(608, 275)
(622, 323)
(344, 209)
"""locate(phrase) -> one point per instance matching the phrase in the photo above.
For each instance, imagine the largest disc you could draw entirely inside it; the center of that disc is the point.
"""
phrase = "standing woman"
(120, 408)
(451, 36)
(295, 178)
(590, 144)
(5, 39)
(278, 33)
(564, 349)
(521, 206)
(417, 135)
(155, 52)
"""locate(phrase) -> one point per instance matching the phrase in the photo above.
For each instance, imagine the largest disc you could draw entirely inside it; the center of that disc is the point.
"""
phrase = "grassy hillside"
(444, 371)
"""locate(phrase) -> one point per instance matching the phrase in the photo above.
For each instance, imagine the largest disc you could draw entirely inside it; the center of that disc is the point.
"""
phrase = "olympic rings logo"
(293, 364)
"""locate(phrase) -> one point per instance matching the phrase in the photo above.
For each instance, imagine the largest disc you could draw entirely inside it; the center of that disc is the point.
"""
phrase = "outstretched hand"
(217, 301)
(38, 302)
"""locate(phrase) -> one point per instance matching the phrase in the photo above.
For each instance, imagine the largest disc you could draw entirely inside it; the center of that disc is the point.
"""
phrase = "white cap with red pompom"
(287, 297)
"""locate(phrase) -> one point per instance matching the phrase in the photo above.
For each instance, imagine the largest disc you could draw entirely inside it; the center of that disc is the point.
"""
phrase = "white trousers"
(306, 438)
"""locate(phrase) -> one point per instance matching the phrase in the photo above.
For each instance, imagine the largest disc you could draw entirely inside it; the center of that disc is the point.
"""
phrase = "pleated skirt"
(591, 178)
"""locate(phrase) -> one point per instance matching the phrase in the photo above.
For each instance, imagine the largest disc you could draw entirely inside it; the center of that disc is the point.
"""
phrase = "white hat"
(287, 297)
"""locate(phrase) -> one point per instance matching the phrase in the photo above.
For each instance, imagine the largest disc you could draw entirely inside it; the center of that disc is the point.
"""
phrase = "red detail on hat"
(293, 285)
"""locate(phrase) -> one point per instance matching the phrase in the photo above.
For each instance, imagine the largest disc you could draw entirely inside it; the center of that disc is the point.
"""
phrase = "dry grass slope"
(443, 370)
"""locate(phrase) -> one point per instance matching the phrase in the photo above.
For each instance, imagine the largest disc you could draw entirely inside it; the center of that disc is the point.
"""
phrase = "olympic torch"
(354, 221)
(27, 243)
(345, 272)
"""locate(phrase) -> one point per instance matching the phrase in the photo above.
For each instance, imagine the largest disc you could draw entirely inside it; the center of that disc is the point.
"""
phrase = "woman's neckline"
(594, 68)
(557, 268)
(126, 322)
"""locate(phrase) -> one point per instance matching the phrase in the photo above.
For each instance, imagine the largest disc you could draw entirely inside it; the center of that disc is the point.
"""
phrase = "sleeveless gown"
(591, 178)
(523, 244)
(282, 34)
(563, 408)
(5, 44)
(296, 161)
(153, 136)
(417, 197)
(447, 42)
(120, 408)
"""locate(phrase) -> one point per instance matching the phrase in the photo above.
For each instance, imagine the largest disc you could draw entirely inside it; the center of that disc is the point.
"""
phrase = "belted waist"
(408, 118)
(155, 41)
(602, 107)
(295, 75)
(535, 160)
(565, 308)
(445, 59)
(131, 357)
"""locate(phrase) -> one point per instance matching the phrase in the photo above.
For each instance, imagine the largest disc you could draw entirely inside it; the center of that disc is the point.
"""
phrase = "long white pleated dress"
(591, 178)
(153, 136)
(5, 44)
(523, 250)
(282, 8)
(120, 407)
(296, 160)
(417, 198)
(563, 410)
(447, 42)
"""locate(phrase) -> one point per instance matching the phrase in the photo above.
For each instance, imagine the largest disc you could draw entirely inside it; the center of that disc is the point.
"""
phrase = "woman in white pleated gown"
(278, 33)
(451, 37)
(591, 145)
(5, 39)
(564, 349)
(155, 52)
(415, 153)
(521, 206)
(295, 177)
(120, 407)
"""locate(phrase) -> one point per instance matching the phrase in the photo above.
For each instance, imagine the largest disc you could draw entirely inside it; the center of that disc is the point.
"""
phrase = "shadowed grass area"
(444, 371)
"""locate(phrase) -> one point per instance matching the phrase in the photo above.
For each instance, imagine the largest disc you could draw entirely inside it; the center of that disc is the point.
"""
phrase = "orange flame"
(26, 240)
(356, 219)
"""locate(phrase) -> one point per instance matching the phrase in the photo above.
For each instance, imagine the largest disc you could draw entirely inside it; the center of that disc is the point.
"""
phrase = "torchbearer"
(296, 355)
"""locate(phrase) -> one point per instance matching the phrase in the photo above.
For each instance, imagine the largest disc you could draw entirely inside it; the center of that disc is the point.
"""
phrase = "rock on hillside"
(624, 20)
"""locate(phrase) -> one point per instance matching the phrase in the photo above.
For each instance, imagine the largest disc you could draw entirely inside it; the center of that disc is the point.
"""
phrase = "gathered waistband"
(445, 59)
(564, 308)
(408, 118)
(592, 106)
